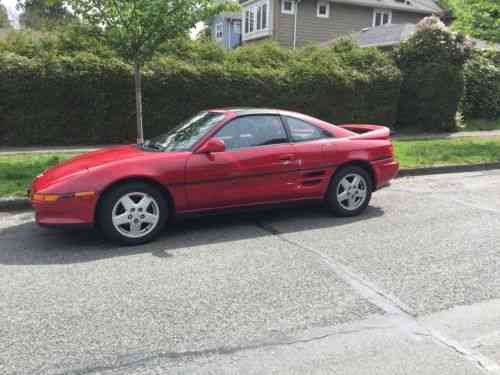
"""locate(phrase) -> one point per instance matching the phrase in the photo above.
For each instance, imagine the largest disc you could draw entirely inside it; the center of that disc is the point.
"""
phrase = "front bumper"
(68, 210)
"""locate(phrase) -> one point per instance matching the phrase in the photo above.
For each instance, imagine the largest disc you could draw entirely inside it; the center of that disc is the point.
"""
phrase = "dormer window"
(323, 9)
(287, 6)
(382, 17)
(218, 31)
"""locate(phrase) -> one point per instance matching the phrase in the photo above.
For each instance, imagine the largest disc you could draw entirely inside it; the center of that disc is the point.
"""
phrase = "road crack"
(405, 319)
(134, 360)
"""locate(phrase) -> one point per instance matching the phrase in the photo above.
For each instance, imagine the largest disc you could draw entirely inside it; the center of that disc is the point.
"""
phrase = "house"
(225, 29)
(389, 36)
(293, 23)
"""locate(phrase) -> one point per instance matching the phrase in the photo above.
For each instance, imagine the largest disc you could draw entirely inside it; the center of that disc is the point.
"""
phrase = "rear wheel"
(350, 191)
(133, 213)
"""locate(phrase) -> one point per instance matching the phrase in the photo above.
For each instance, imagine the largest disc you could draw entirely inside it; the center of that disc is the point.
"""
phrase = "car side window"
(253, 131)
(302, 131)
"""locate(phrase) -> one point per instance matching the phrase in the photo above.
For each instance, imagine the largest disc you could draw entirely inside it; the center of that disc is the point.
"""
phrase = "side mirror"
(211, 146)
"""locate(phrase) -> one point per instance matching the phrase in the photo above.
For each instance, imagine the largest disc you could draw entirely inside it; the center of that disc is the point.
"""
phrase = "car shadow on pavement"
(29, 244)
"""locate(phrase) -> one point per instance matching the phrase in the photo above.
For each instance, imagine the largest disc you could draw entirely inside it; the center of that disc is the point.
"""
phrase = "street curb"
(14, 204)
(448, 169)
(18, 204)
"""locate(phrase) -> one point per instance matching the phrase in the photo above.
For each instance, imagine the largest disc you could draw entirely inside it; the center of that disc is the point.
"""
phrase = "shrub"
(482, 86)
(265, 54)
(365, 83)
(65, 100)
(66, 40)
(431, 62)
(198, 51)
(84, 99)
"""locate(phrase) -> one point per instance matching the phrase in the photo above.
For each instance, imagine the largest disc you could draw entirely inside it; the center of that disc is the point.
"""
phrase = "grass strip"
(18, 170)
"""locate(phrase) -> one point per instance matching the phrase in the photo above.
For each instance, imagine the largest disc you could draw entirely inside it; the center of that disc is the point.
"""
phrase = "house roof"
(393, 35)
(231, 15)
(415, 6)
(482, 44)
(386, 35)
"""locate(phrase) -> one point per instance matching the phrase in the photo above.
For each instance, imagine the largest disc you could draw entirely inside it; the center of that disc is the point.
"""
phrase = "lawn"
(424, 153)
(17, 171)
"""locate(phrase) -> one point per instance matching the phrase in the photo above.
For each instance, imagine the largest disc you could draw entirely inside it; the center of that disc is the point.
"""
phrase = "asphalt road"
(410, 287)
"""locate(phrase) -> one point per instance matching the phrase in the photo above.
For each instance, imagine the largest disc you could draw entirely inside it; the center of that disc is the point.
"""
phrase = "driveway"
(410, 287)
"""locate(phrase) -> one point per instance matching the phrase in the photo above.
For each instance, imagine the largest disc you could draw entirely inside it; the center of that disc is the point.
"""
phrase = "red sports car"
(218, 159)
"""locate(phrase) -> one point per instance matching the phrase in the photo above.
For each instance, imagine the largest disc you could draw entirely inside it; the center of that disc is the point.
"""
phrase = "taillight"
(391, 150)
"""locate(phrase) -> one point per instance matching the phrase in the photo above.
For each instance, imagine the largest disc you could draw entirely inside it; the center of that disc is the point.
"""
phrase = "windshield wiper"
(153, 145)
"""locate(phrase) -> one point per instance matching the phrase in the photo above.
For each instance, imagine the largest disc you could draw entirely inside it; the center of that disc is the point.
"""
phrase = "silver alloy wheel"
(352, 191)
(135, 215)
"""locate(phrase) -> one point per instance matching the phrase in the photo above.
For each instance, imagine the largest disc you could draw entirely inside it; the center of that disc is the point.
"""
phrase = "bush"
(432, 63)
(67, 40)
(200, 51)
(85, 99)
(258, 55)
(345, 83)
(65, 100)
(482, 86)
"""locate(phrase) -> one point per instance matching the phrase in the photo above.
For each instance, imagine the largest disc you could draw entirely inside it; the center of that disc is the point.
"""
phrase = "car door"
(257, 166)
(315, 172)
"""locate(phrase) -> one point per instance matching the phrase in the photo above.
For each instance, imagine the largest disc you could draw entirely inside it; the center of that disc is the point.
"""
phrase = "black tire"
(339, 208)
(109, 203)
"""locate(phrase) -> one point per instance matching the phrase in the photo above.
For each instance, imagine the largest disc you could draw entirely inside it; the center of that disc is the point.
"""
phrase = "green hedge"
(482, 86)
(85, 99)
(432, 63)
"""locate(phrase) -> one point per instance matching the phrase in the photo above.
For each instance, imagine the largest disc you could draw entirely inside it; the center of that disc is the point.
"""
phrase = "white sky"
(11, 9)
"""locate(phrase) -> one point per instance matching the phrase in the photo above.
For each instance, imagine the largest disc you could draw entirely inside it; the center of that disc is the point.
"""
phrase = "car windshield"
(184, 136)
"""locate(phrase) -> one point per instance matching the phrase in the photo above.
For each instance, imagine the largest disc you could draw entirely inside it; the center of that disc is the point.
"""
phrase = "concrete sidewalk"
(470, 134)
(80, 149)
(50, 149)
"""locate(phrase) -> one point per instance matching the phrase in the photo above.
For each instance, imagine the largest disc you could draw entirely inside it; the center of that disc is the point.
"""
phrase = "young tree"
(136, 28)
(38, 14)
(477, 18)
(4, 17)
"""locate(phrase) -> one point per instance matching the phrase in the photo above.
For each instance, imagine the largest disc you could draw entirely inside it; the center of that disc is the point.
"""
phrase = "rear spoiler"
(366, 131)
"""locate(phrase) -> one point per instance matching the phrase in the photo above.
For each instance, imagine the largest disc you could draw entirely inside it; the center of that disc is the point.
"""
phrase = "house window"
(287, 6)
(247, 22)
(237, 27)
(381, 17)
(323, 9)
(218, 31)
(251, 22)
(264, 16)
(259, 18)
(256, 19)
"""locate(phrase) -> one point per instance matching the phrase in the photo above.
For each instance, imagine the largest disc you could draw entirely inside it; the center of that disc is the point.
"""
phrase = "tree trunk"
(138, 102)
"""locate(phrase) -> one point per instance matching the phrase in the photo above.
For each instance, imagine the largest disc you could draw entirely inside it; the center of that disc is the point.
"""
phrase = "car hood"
(84, 162)
(92, 159)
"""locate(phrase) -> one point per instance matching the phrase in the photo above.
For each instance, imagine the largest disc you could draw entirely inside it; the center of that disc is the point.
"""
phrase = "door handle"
(288, 159)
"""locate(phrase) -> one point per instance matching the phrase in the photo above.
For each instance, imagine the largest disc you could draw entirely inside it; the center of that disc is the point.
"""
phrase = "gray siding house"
(293, 23)
(225, 29)
(389, 36)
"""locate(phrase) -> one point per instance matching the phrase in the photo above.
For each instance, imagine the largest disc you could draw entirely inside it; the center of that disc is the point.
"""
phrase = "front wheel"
(133, 213)
(350, 191)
